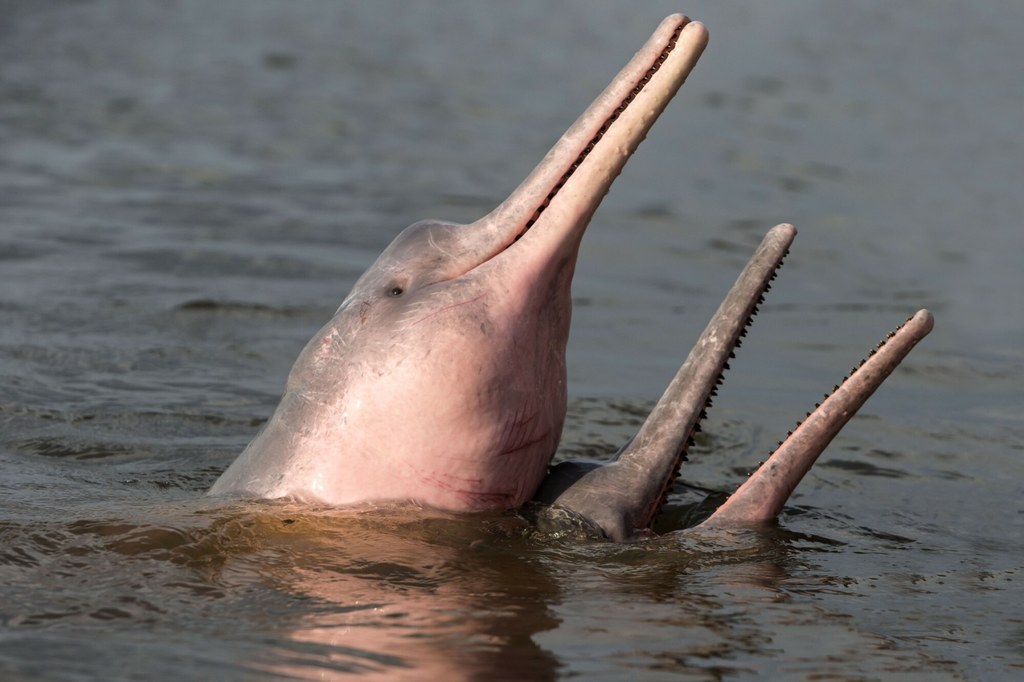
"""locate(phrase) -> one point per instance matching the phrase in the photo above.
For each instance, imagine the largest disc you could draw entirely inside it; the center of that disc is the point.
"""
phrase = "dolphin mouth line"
(670, 45)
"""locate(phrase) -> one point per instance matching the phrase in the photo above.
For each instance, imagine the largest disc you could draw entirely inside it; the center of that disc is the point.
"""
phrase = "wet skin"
(441, 379)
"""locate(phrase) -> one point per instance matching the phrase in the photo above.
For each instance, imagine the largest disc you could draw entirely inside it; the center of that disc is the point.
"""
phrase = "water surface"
(187, 190)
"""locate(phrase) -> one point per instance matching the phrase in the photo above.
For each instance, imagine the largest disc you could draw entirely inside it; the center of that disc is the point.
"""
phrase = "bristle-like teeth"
(836, 387)
(737, 342)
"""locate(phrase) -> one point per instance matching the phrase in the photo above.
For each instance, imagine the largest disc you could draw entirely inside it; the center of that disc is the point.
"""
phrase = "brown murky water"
(188, 189)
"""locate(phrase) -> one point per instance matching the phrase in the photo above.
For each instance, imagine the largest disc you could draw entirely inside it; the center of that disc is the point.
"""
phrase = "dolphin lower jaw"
(762, 496)
(625, 496)
(619, 501)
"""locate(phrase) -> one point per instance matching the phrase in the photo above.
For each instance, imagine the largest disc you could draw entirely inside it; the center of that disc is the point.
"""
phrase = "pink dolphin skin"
(441, 378)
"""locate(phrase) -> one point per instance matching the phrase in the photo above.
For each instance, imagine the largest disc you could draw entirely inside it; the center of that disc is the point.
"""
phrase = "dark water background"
(188, 189)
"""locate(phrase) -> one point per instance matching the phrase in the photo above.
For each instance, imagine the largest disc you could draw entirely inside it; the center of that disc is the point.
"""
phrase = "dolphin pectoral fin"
(621, 499)
(762, 496)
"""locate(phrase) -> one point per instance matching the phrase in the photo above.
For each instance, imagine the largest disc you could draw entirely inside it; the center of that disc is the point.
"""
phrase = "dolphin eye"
(395, 291)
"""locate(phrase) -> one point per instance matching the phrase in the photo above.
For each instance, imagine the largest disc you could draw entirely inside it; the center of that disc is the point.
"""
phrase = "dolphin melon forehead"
(426, 252)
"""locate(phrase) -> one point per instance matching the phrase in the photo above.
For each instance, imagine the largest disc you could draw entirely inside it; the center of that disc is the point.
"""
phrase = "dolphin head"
(441, 377)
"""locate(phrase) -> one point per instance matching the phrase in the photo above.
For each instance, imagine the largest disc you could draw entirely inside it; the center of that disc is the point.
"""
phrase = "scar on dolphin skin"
(452, 417)
(445, 309)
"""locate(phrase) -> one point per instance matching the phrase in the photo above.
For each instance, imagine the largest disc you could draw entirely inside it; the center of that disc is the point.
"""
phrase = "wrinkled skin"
(450, 393)
(441, 379)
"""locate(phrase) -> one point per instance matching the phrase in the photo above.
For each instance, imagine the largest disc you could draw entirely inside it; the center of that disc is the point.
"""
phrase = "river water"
(188, 189)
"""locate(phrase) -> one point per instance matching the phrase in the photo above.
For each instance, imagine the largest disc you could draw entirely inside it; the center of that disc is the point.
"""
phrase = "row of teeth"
(604, 128)
(714, 391)
(853, 370)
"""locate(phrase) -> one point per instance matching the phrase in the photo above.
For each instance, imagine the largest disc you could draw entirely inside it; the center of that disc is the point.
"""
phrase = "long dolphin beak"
(620, 500)
(762, 496)
(562, 193)
(623, 497)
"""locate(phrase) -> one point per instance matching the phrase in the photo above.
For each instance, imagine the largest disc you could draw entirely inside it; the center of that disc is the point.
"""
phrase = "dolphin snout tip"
(695, 30)
(923, 319)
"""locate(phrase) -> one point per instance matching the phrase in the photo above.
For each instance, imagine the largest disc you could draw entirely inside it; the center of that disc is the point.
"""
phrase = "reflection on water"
(187, 190)
(289, 592)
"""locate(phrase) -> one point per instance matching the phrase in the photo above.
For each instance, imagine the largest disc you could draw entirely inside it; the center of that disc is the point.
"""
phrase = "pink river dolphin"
(441, 378)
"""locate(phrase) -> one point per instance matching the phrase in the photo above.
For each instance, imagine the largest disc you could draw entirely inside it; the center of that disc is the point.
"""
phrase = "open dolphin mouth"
(563, 191)
(620, 500)
(387, 404)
